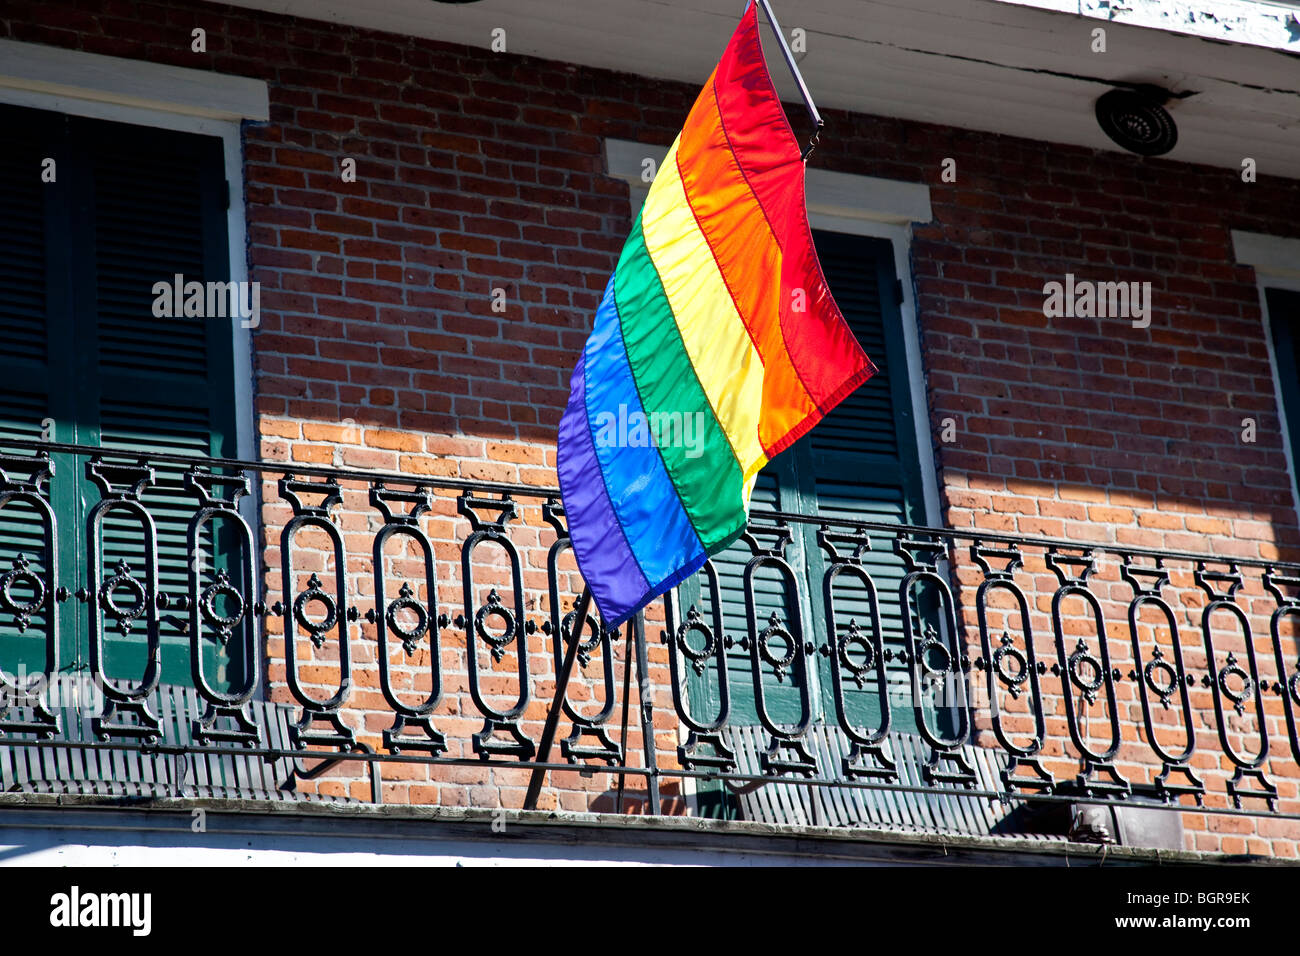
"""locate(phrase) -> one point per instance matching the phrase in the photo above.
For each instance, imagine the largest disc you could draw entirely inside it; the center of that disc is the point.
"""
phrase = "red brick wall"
(477, 171)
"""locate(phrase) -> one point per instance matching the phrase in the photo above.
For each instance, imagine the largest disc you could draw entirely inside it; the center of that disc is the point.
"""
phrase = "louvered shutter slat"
(159, 388)
(82, 352)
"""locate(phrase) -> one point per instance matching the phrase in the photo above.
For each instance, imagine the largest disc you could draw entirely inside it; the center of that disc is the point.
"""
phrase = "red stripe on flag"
(826, 357)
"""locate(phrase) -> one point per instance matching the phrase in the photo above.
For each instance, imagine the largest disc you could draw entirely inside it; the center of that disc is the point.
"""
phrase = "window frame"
(1276, 261)
(856, 205)
(163, 97)
(797, 472)
(1286, 372)
(94, 87)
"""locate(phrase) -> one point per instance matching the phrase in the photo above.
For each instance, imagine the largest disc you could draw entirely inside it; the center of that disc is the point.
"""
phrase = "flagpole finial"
(786, 52)
(812, 142)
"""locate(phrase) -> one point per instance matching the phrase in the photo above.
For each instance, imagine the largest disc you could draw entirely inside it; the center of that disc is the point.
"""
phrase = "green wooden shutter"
(24, 402)
(860, 462)
(782, 701)
(164, 384)
(36, 371)
(132, 206)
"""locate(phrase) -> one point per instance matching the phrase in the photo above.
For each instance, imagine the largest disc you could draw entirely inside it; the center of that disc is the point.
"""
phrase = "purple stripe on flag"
(641, 492)
(607, 562)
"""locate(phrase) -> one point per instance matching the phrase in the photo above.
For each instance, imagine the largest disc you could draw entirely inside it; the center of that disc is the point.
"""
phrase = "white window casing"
(859, 205)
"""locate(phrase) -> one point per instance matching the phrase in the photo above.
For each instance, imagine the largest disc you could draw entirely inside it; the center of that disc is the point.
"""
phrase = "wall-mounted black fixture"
(1137, 120)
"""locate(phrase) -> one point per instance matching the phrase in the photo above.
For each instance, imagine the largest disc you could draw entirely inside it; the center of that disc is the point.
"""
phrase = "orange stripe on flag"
(748, 256)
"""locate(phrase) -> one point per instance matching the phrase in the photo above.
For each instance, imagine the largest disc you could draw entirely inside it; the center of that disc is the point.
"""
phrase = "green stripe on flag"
(705, 472)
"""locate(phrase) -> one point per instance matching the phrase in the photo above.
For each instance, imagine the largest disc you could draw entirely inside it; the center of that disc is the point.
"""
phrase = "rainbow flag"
(717, 344)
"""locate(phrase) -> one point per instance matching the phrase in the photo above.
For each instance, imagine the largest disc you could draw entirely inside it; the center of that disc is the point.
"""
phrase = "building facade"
(1075, 463)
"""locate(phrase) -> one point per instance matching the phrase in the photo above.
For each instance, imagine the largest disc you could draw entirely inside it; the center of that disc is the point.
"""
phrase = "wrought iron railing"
(408, 620)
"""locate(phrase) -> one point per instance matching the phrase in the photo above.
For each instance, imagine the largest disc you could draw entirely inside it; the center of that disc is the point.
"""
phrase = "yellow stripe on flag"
(717, 342)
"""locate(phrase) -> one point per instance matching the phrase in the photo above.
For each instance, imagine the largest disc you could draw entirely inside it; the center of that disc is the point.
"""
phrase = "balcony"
(219, 628)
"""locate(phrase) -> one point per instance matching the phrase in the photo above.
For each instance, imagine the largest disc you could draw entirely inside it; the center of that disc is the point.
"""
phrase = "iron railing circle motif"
(1083, 657)
(494, 608)
(21, 574)
(699, 659)
(1158, 664)
(856, 639)
(123, 578)
(316, 630)
(406, 602)
(930, 643)
(1238, 695)
(222, 624)
(590, 627)
(1294, 685)
(1013, 679)
(775, 628)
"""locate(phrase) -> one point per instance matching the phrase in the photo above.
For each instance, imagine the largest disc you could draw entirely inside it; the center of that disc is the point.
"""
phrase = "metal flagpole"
(813, 114)
(627, 701)
(561, 688)
(638, 626)
(647, 714)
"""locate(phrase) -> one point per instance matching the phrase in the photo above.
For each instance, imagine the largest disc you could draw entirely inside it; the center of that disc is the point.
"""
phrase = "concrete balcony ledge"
(60, 829)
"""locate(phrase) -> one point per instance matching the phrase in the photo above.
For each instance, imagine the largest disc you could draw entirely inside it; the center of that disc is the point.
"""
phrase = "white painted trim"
(110, 79)
(624, 160)
(1276, 260)
(867, 198)
(1277, 393)
(859, 205)
(1252, 22)
(840, 194)
(1274, 256)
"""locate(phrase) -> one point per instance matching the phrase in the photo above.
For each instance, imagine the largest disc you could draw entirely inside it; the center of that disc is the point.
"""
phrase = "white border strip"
(836, 194)
(152, 86)
(1272, 256)
(1253, 22)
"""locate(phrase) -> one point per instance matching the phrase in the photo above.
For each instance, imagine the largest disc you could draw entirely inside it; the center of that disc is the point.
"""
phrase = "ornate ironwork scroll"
(934, 657)
(855, 655)
(682, 654)
(337, 617)
(120, 489)
(596, 636)
(208, 618)
(791, 661)
(1287, 685)
(387, 616)
(1084, 673)
(1162, 678)
(1235, 683)
(1010, 669)
(24, 481)
(480, 624)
